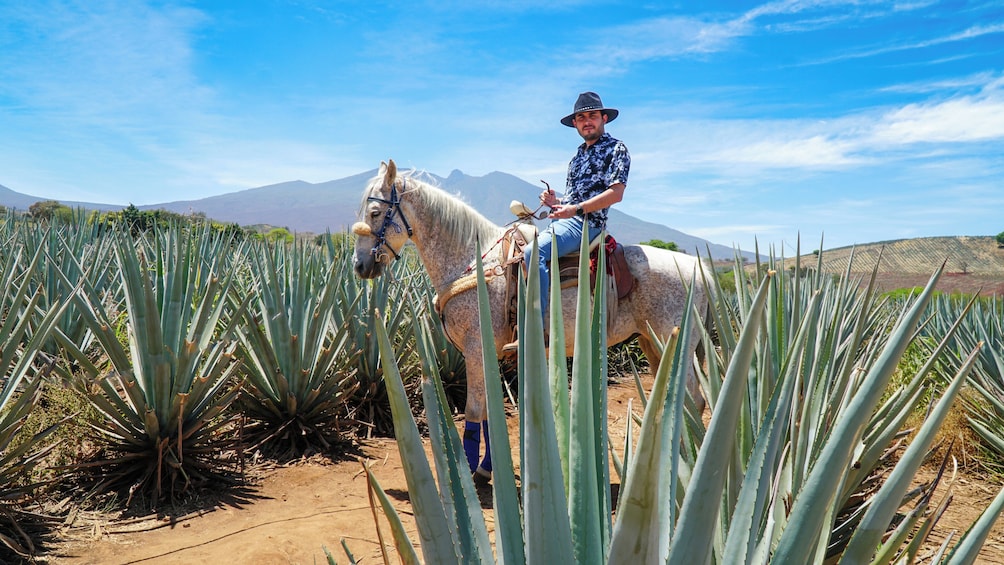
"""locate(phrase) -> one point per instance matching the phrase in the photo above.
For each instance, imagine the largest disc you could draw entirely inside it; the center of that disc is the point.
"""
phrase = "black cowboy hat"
(587, 102)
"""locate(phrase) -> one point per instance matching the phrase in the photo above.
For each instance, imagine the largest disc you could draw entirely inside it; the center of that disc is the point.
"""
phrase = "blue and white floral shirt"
(594, 169)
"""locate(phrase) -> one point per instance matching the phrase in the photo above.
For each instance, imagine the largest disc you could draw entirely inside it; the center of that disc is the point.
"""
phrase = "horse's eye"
(375, 214)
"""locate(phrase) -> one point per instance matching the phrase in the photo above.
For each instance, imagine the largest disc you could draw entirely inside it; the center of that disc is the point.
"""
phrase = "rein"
(510, 225)
(393, 207)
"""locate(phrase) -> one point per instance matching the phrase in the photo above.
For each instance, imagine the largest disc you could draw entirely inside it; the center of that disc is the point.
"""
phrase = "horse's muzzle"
(368, 268)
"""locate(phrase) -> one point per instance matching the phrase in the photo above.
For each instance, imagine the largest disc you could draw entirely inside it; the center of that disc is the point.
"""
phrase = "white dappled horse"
(445, 230)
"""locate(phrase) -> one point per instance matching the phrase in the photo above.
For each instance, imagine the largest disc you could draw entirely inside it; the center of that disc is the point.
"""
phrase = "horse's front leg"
(475, 423)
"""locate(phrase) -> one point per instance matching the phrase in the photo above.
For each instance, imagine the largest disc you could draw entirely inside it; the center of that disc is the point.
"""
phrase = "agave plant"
(22, 335)
(68, 248)
(166, 379)
(833, 350)
(295, 354)
(983, 321)
(360, 303)
(796, 426)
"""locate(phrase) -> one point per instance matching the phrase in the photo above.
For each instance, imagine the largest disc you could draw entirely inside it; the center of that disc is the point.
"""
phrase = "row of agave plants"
(187, 349)
(804, 459)
(981, 321)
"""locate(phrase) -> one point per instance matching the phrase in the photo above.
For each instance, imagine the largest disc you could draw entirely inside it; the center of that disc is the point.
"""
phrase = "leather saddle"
(621, 281)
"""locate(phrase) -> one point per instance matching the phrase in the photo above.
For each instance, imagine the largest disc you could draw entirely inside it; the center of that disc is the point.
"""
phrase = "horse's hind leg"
(486, 464)
(472, 443)
(651, 352)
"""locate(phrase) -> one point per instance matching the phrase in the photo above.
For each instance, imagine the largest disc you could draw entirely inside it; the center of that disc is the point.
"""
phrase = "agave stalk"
(164, 388)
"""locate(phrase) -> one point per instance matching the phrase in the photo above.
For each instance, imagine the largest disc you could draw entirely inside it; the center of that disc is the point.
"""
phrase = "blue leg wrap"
(486, 463)
(472, 443)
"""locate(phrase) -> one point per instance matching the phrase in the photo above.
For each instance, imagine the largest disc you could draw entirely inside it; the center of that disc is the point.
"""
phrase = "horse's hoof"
(482, 477)
(483, 487)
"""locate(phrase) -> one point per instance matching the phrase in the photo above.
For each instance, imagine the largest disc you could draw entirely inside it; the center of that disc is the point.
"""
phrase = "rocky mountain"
(308, 207)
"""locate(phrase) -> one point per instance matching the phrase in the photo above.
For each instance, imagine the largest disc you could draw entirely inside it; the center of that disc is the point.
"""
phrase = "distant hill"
(971, 263)
(307, 207)
(19, 201)
(334, 205)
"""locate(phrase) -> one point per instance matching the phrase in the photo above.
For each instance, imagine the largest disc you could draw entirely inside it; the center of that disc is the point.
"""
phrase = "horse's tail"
(710, 330)
(708, 318)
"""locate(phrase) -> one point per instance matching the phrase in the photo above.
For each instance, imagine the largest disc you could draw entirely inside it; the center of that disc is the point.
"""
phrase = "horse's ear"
(391, 175)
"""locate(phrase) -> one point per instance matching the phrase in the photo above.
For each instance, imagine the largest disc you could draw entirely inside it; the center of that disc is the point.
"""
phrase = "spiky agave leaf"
(295, 357)
(24, 329)
(163, 389)
(359, 302)
(804, 354)
(982, 321)
(19, 455)
(68, 247)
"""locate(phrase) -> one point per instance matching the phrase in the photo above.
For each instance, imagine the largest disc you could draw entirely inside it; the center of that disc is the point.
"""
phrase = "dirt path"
(297, 510)
(288, 518)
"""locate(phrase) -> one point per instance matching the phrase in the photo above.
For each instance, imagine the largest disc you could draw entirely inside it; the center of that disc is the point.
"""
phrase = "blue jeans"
(567, 235)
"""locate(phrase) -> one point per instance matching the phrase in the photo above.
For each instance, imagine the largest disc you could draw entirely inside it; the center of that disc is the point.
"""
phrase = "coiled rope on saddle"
(513, 241)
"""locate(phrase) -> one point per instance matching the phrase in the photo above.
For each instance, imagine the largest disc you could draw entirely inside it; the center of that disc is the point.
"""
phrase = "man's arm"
(612, 195)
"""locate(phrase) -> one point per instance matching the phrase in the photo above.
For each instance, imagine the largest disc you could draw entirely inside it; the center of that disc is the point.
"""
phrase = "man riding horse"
(597, 176)
(447, 232)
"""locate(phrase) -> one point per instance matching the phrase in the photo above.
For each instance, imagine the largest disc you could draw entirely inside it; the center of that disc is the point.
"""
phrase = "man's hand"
(562, 211)
(549, 198)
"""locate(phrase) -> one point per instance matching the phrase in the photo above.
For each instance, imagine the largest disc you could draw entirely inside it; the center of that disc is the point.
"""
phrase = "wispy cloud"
(687, 35)
(979, 81)
(815, 151)
(972, 32)
(840, 142)
(105, 62)
(954, 121)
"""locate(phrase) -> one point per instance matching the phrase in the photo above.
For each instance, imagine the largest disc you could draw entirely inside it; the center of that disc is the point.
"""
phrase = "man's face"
(590, 125)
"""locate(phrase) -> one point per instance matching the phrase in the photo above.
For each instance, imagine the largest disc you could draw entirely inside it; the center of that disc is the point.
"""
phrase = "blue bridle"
(393, 207)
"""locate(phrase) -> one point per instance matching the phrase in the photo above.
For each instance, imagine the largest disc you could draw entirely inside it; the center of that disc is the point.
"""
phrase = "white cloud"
(814, 151)
(932, 129)
(966, 119)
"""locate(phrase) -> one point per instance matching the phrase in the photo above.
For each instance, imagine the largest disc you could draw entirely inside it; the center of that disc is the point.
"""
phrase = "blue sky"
(854, 122)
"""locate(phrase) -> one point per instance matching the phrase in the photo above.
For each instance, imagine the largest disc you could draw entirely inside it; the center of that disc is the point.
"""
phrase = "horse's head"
(382, 229)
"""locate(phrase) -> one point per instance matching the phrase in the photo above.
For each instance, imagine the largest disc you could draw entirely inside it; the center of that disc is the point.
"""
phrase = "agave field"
(140, 368)
(800, 463)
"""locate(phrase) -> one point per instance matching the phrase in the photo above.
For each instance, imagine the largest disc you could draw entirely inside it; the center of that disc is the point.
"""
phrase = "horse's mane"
(444, 209)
